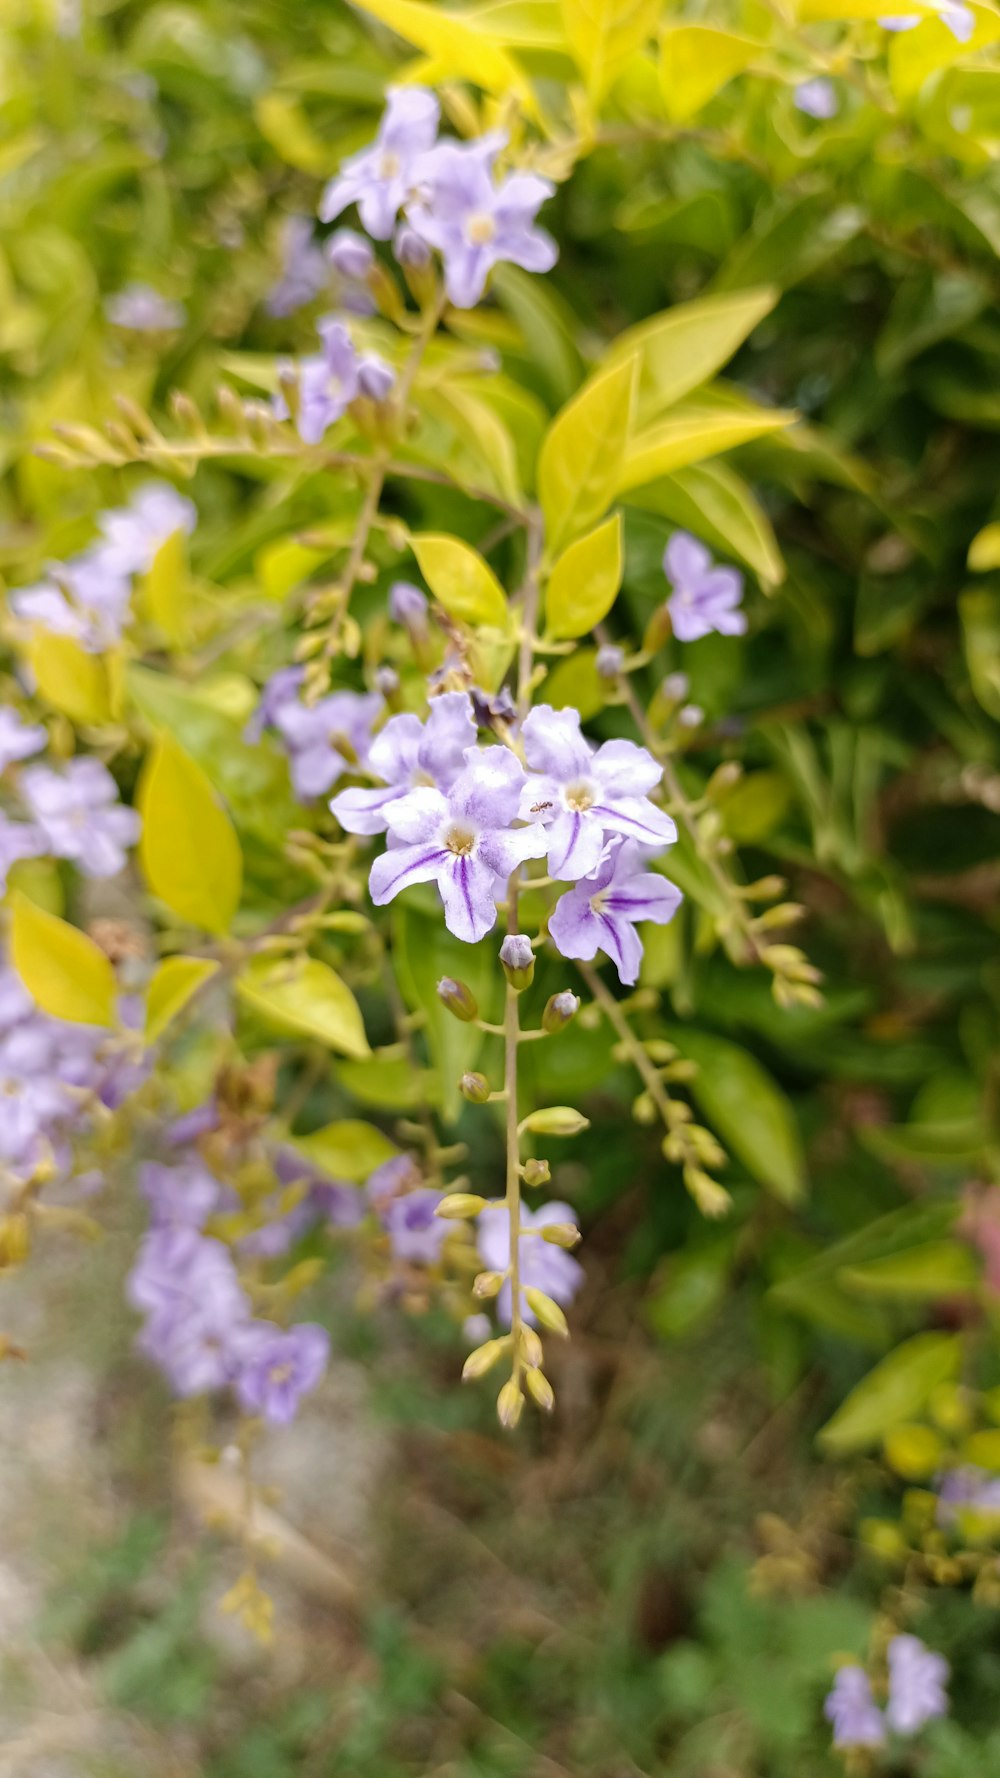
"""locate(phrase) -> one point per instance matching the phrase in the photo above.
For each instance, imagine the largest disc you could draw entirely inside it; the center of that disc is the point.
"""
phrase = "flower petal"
(638, 819)
(573, 925)
(467, 890)
(623, 769)
(417, 816)
(553, 743)
(363, 811)
(575, 844)
(403, 866)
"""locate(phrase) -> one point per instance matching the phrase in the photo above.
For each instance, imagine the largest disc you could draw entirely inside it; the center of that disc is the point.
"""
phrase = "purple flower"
(379, 179)
(79, 815)
(325, 740)
(376, 378)
(86, 599)
(278, 1366)
(331, 380)
(850, 1707)
(600, 914)
(581, 797)
(409, 249)
(463, 841)
(543, 1266)
(415, 1233)
(409, 753)
(967, 1487)
(392, 1179)
(140, 309)
(18, 739)
(304, 271)
(408, 606)
(705, 597)
(817, 98)
(350, 254)
(282, 688)
(473, 222)
(917, 1680)
(186, 1285)
(179, 1197)
(960, 20)
(134, 534)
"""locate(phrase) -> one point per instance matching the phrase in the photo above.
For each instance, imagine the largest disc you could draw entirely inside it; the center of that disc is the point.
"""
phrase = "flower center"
(579, 798)
(481, 228)
(422, 780)
(280, 1373)
(460, 841)
(597, 902)
(389, 164)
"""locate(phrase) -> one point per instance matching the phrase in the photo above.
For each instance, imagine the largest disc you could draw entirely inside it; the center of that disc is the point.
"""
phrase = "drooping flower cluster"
(449, 194)
(329, 381)
(322, 740)
(463, 816)
(916, 1694)
(88, 597)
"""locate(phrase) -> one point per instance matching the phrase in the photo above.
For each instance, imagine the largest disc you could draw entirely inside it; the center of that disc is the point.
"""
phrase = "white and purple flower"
(601, 913)
(704, 597)
(850, 1707)
(408, 754)
(79, 816)
(381, 178)
(474, 221)
(581, 796)
(330, 380)
(278, 1366)
(917, 1681)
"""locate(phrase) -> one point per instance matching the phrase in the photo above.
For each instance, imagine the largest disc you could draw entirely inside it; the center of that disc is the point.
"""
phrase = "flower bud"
(560, 1010)
(540, 1389)
(531, 1346)
(482, 1359)
(387, 682)
(561, 1234)
(487, 1284)
(408, 607)
(475, 1088)
(692, 716)
(518, 960)
(711, 1198)
(15, 1239)
(409, 249)
(675, 687)
(350, 254)
(536, 1173)
(460, 1205)
(459, 999)
(610, 661)
(375, 377)
(547, 1312)
(556, 1120)
(510, 1405)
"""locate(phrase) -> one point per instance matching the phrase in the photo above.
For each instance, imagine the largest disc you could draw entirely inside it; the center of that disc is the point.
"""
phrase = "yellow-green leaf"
(915, 55)
(687, 344)
(460, 580)
(984, 550)
(348, 1150)
(284, 565)
(896, 1390)
(303, 994)
(189, 852)
(580, 464)
(696, 62)
(283, 123)
(693, 431)
(585, 581)
(605, 34)
(575, 682)
(172, 985)
(716, 503)
(166, 588)
(458, 48)
(71, 680)
(65, 973)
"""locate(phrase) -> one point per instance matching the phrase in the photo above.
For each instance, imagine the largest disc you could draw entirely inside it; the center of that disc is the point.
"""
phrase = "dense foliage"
(499, 738)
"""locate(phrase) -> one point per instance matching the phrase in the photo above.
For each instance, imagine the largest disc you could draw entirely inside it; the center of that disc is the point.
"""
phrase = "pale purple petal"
(575, 844)
(403, 866)
(624, 769)
(467, 891)
(553, 743)
(418, 816)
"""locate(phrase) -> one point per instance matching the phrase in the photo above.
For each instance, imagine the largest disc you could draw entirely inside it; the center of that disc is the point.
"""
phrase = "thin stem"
(637, 1055)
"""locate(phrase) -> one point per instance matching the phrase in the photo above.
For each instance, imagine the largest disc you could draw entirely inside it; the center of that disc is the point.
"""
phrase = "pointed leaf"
(695, 430)
(172, 985)
(687, 344)
(696, 62)
(716, 503)
(68, 678)
(350, 1149)
(189, 852)
(605, 34)
(580, 464)
(461, 581)
(585, 581)
(897, 1389)
(303, 994)
(165, 590)
(65, 973)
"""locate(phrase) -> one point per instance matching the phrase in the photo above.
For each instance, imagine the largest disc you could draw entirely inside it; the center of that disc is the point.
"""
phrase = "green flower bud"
(460, 1206)
(518, 960)
(510, 1405)
(536, 1173)
(475, 1088)
(560, 1010)
(459, 999)
(556, 1120)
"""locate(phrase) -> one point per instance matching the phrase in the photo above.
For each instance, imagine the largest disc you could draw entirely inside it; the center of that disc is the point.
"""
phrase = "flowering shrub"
(581, 452)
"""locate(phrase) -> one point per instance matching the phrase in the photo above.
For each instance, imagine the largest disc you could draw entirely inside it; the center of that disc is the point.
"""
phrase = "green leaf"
(302, 994)
(686, 345)
(897, 1389)
(687, 1289)
(695, 429)
(984, 550)
(546, 326)
(457, 47)
(173, 983)
(935, 1269)
(283, 565)
(189, 852)
(461, 581)
(749, 1110)
(696, 62)
(68, 678)
(350, 1149)
(165, 590)
(979, 610)
(790, 239)
(387, 1080)
(580, 464)
(605, 34)
(575, 683)
(585, 581)
(716, 503)
(65, 973)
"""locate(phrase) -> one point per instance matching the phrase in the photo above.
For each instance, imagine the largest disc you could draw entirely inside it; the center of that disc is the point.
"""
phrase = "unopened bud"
(560, 1010)
(540, 1389)
(510, 1405)
(610, 661)
(691, 716)
(536, 1172)
(459, 999)
(460, 1205)
(349, 253)
(518, 960)
(765, 889)
(675, 687)
(410, 250)
(475, 1088)
(723, 778)
(711, 1198)
(531, 1346)
(408, 607)
(376, 379)
(387, 682)
(487, 1284)
(658, 630)
(482, 1359)
(556, 1120)
(561, 1234)
(546, 1311)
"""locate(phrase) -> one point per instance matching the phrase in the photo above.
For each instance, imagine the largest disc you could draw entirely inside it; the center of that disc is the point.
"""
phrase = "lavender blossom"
(917, 1680)
(134, 534)
(392, 1179)
(409, 753)
(278, 1366)
(333, 378)
(817, 98)
(380, 179)
(86, 599)
(600, 914)
(416, 1234)
(408, 607)
(462, 840)
(580, 797)
(543, 1266)
(179, 1197)
(967, 1487)
(196, 1310)
(304, 270)
(409, 249)
(350, 254)
(79, 815)
(850, 1707)
(18, 739)
(705, 597)
(325, 740)
(473, 222)
(282, 688)
(139, 309)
